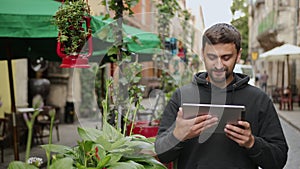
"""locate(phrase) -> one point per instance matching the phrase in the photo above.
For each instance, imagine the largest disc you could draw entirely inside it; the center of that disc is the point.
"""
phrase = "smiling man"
(256, 141)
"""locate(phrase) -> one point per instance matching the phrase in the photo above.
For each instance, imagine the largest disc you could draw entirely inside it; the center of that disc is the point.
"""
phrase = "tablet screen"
(225, 113)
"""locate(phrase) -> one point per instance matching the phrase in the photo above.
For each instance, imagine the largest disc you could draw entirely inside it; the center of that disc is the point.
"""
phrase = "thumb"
(180, 113)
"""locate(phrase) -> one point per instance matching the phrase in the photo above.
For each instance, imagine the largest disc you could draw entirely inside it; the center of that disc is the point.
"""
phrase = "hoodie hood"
(240, 81)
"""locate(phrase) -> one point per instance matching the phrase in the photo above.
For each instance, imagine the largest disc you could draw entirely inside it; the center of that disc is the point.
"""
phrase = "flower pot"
(74, 61)
(144, 128)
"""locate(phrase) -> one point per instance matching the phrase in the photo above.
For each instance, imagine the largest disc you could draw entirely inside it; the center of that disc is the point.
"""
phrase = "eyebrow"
(215, 55)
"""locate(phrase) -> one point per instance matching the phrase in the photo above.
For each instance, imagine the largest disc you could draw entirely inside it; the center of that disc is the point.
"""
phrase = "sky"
(214, 11)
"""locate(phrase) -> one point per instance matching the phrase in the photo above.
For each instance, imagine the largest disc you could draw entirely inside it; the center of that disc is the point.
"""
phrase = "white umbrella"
(279, 52)
(284, 52)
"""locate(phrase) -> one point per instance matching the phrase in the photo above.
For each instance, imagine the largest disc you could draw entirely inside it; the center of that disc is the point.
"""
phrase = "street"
(293, 139)
(70, 135)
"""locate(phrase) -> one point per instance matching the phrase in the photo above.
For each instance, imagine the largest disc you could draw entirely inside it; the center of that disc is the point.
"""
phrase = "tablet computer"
(225, 113)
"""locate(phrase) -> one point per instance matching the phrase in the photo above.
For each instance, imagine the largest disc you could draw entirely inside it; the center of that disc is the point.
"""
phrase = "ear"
(239, 55)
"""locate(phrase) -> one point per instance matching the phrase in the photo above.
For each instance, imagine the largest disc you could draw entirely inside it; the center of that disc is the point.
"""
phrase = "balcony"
(267, 32)
(267, 23)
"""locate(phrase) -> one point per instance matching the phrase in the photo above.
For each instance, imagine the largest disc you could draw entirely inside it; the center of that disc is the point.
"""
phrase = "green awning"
(26, 27)
(28, 18)
(147, 41)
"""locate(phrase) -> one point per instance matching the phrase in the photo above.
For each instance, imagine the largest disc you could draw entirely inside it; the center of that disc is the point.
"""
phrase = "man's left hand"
(241, 134)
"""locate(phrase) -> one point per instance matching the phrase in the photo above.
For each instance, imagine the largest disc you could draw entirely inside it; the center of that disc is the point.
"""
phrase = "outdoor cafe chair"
(3, 136)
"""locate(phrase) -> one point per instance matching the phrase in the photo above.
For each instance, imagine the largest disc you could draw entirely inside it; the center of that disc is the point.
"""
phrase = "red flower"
(96, 153)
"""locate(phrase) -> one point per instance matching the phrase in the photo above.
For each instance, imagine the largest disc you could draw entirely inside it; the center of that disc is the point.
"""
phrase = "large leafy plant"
(99, 149)
(106, 148)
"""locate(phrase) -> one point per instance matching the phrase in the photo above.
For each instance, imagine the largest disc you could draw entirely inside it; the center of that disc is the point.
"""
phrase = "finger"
(203, 121)
(202, 129)
(180, 109)
(238, 137)
(206, 124)
(233, 133)
(180, 113)
(235, 128)
(202, 118)
(210, 125)
(237, 140)
(245, 124)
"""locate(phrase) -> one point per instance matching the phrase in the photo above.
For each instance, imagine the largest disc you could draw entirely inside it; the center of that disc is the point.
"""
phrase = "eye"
(212, 57)
(226, 57)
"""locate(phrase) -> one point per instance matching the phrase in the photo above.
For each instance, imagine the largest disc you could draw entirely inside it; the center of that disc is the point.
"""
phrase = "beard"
(219, 76)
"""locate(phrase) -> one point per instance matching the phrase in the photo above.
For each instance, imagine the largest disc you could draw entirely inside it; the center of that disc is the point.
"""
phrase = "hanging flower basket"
(73, 22)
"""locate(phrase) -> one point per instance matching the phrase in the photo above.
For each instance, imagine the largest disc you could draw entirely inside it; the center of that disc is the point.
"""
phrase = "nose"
(219, 64)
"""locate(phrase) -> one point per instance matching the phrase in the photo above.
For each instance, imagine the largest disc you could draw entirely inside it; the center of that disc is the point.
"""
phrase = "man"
(257, 141)
(264, 79)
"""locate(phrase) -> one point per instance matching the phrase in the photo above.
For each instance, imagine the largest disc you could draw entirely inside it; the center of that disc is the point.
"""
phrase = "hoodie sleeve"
(167, 146)
(270, 148)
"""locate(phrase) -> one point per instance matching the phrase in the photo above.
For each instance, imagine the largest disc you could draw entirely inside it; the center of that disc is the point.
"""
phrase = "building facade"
(274, 23)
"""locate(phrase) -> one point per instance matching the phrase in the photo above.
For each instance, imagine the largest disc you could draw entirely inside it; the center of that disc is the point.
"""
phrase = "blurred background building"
(273, 23)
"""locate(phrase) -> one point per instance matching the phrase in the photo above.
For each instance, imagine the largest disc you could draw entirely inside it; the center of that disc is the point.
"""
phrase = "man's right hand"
(190, 128)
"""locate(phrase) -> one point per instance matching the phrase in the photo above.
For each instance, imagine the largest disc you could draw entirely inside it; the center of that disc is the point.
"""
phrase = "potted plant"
(73, 22)
(106, 148)
(101, 149)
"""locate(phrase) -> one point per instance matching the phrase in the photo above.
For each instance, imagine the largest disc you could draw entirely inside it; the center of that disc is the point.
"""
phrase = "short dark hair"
(222, 33)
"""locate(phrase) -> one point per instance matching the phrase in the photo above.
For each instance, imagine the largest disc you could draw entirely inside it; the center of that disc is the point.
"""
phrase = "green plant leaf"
(125, 150)
(123, 80)
(114, 158)
(56, 148)
(152, 163)
(62, 163)
(120, 143)
(89, 133)
(101, 151)
(103, 141)
(103, 162)
(127, 164)
(151, 139)
(136, 79)
(140, 144)
(20, 165)
(106, 16)
(112, 51)
(87, 145)
(111, 133)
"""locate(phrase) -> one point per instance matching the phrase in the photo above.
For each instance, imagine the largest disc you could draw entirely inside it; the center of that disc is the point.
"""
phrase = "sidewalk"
(291, 117)
(69, 136)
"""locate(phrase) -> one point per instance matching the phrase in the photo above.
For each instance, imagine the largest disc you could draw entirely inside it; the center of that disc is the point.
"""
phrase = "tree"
(240, 7)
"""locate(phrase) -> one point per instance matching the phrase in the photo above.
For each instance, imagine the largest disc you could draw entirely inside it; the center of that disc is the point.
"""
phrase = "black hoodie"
(219, 152)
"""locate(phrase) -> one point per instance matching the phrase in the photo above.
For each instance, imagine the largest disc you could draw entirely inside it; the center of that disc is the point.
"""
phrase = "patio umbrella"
(280, 52)
(284, 52)
(25, 26)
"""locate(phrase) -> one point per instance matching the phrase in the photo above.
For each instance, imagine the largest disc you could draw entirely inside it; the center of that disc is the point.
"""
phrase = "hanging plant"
(69, 19)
